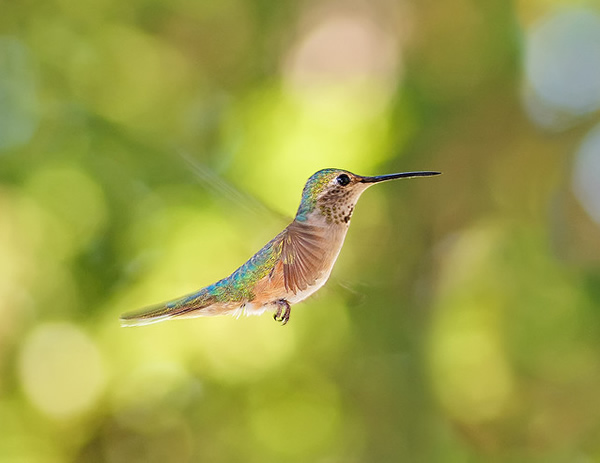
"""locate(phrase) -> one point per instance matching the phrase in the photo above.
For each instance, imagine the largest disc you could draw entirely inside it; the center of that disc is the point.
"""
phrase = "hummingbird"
(290, 267)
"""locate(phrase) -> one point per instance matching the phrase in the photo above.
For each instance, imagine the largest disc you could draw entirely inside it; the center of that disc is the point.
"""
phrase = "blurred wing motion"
(186, 306)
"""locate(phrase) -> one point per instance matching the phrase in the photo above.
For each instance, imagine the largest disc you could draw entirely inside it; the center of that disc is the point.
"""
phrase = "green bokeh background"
(149, 147)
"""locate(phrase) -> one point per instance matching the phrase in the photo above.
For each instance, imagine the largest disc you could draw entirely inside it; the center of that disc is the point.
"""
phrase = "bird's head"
(334, 192)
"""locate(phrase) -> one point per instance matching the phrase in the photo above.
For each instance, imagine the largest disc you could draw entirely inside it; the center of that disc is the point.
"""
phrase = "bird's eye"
(343, 180)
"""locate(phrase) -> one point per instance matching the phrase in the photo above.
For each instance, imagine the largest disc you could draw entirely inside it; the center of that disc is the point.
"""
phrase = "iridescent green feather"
(315, 185)
(238, 286)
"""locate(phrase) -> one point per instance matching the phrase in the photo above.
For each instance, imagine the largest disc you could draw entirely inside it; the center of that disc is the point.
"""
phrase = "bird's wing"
(302, 255)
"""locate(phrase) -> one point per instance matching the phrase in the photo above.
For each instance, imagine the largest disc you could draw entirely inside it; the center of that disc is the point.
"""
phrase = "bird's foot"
(283, 311)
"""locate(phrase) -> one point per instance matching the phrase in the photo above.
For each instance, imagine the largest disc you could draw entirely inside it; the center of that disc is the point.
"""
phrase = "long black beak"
(383, 178)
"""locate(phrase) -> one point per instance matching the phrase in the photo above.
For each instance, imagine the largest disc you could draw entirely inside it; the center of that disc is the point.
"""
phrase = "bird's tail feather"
(181, 307)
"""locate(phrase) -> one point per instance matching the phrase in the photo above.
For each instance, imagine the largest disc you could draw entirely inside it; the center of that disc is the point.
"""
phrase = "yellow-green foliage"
(461, 323)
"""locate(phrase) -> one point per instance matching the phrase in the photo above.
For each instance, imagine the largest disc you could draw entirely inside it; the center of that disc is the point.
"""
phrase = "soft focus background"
(149, 147)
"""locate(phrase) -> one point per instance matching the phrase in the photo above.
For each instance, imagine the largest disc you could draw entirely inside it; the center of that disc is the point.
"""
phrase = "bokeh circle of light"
(61, 370)
(586, 175)
(562, 60)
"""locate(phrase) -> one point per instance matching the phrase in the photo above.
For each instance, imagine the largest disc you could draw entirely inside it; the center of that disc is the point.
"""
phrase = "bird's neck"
(325, 224)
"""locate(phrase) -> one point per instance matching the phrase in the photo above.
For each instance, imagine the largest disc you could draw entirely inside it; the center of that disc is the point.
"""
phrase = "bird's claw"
(283, 312)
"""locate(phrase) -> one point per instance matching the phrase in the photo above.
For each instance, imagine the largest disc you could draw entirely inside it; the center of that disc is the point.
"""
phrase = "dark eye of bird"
(343, 180)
